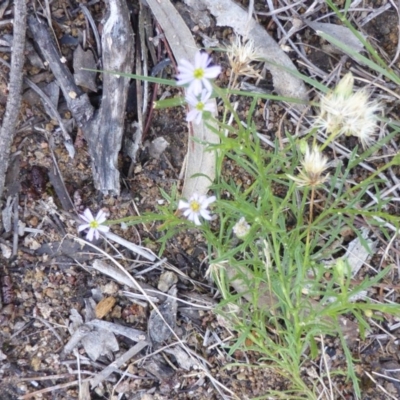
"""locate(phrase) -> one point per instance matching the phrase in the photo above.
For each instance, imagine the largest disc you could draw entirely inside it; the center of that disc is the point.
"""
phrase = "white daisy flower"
(93, 224)
(197, 75)
(313, 165)
(199, 105)
(350, 113)
(241, 228)
(196, 207)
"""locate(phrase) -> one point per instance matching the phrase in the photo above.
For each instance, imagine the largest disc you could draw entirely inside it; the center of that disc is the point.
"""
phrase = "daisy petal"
(101, 217)
(90, 234)
(205, 214)
(183, 204)
(210, 107)
(103, 228)
(207, 85)
(188, 213)
(87, 215)
(185, 65)
(83, 227)
(96, 233)
(198, 118)
(195, 87)
(212, 72)
(196, 220)
(210, 200)
(200, 60)
(191, 116)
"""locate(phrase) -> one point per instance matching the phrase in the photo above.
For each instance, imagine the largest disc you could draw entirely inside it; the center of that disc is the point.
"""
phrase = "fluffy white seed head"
(312, 169)
(344, 112)
(240, 55)
(241, 228)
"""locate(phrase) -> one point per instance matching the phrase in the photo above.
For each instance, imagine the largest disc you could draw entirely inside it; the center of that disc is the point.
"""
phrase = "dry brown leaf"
(104, 307)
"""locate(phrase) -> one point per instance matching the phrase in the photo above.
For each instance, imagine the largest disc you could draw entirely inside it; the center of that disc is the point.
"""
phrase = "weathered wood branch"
(77, 101)
(104, 132)
(103, 129)
(15, 87)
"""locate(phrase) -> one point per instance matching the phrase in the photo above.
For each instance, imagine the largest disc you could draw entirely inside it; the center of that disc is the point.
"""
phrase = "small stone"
(110, 288)
(241, 376)
(50, 292)
(167, 280)
(116, 312)
(35, 363)
(5, 250)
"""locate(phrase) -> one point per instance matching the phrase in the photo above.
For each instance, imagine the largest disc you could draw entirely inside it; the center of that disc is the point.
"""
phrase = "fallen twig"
(77, 101)
(15, 86)
(103, 129)
(51, 389)
(104, 132)
(117, 363)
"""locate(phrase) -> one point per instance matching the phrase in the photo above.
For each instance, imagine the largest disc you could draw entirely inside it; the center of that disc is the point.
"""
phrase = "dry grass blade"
(380, 387)
(129, 245)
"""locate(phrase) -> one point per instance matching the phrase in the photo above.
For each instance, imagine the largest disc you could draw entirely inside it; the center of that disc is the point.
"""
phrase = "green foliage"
(290, 295)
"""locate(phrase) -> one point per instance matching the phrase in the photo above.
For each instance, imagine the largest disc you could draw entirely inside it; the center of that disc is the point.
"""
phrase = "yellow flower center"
(198, 73)
(195, 206)
(200, 106)
(94, 224)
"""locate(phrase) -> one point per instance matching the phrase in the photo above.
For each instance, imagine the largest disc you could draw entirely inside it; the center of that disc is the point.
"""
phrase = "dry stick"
(44, 378)
(57, 179)
(131, 333)
(104, 132)
(78, 102)
(94, 28)
(84, 361)
(103, 129)
(15, 225)
(6, 22)
(138, 139)
(117, 363)
(15, 87)
(50, 389)
(143, 19)
(77, 336)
